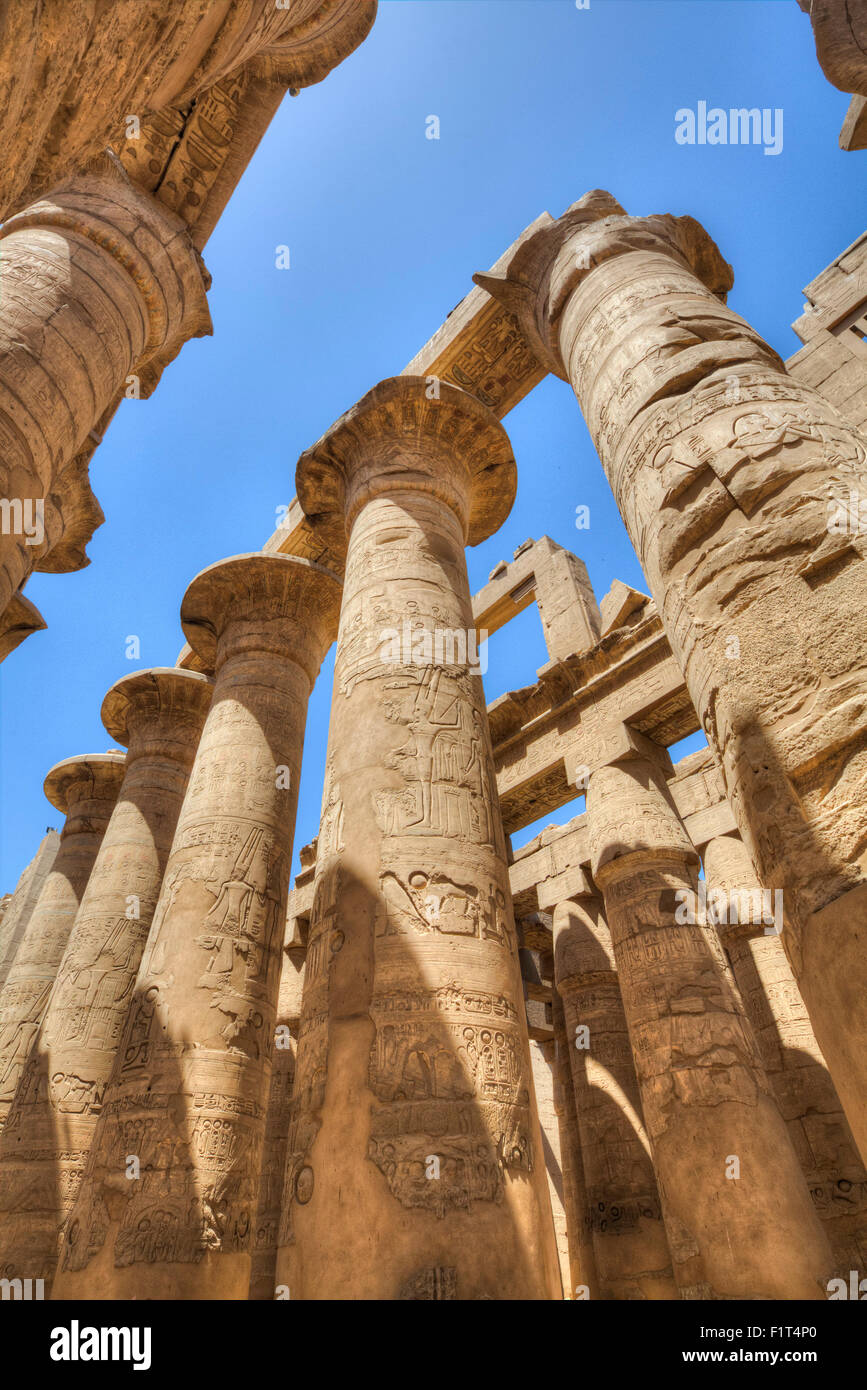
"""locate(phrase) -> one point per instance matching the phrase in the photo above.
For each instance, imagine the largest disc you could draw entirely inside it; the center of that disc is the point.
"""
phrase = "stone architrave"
(413, 1110)
(85, 789)
(23, 901)
(630, 1246)
(158, 714)
(101, 288)
(737, 1210)
(735, 482)
(189, 1088)
(793, 1060)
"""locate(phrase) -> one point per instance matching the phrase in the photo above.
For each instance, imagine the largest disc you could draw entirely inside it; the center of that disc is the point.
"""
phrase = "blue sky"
(538, 101)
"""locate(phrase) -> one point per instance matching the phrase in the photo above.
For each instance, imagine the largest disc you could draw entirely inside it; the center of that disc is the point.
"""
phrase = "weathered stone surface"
(193, 1067)
(22, 902)
(724, 468)
(413, 1107)
(748, 1231)
(623, 1215)
(158, 715)
(793, 1060)
(85, 789)
(840, 31)
(100, 284)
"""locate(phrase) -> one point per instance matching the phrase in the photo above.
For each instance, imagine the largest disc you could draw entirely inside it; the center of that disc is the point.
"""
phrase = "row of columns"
(712, 1143)
(722, 466)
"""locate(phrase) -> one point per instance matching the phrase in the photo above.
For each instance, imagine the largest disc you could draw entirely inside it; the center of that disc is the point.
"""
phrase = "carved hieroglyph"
(793, 1060)
(23, 901)
(413, 1111)
(100, 284)
(737, 1211)
(71, 73)
(159, 715)
(85, 789)
(631, 1252)
(190, 1084)
(727, 472)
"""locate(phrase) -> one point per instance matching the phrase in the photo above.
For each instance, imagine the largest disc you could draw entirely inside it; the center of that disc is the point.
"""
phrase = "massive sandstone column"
(101, 283)
(793, 1060)
(413, 1111)
(728, 474)
(24, 900)
(632, 1258)
(190, 1084)
(738, 1214)
(158, 714)
(86, 790)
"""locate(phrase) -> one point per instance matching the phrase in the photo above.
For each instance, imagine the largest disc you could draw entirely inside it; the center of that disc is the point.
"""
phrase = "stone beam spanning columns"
(725, 470)
(793, 1060)
(86, 790)
(738, 1214)
(100, 283)
(159, 715)
(190, 1082)
(413, 1110)
(632, 1258)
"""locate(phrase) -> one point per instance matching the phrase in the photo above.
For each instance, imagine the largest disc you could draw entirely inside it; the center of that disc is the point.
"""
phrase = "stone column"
(24, 899)
(270, 1194)
(85, 789)
(793, 1059)
(159, 715)
(101, 283)
(631, 1249)
(738, 1214)
(583, 1279)
(190, 1083)
(731, 477)
(413, 1113)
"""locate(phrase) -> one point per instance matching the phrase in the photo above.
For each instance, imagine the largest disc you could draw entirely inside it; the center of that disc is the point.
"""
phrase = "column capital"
(93, 776)
(158, 710)
(418, 433)
(549, 265)
(256, 602)
(319, 38)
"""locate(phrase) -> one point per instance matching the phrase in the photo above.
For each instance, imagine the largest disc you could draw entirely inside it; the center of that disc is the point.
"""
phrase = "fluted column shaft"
(737, 1210)
(100, 282)
(86, 790)
(159, 715)
(793, 1060)
(413, 1112)
(728, 474)
(631, 1249)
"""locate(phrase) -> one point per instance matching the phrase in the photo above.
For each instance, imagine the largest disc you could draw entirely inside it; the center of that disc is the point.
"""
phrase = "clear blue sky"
(538, 102)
